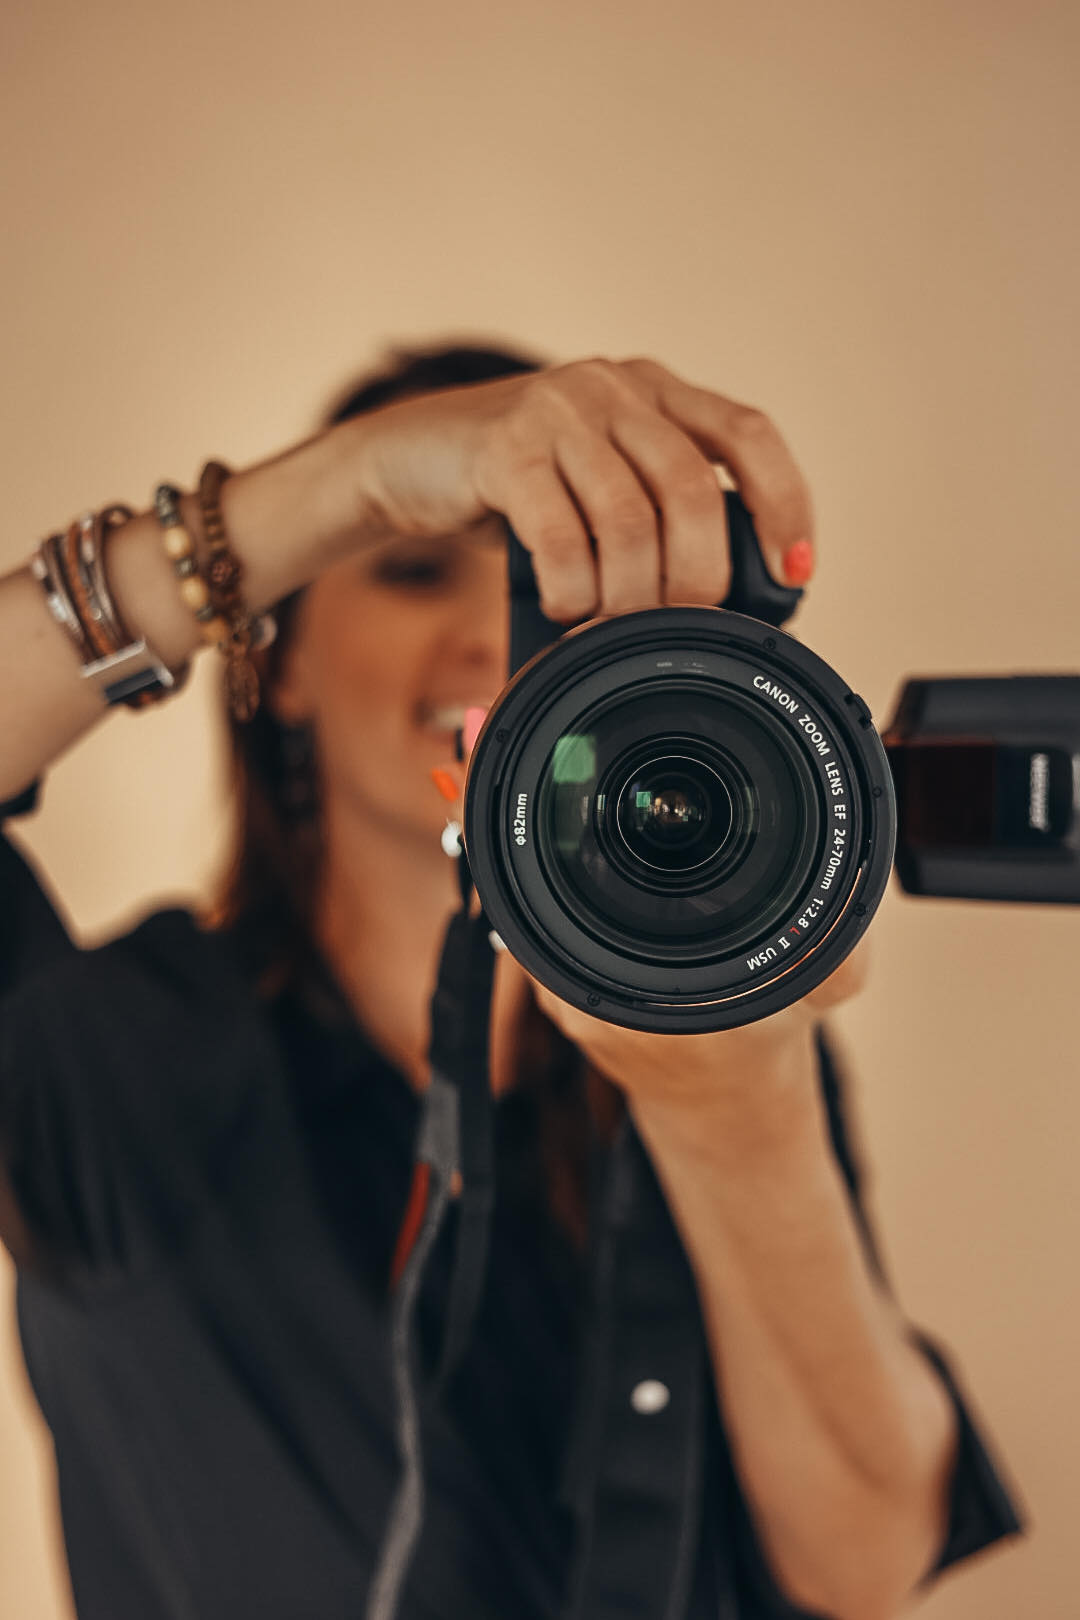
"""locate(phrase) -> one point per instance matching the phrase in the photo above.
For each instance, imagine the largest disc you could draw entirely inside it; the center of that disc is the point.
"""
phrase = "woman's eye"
(414, 571)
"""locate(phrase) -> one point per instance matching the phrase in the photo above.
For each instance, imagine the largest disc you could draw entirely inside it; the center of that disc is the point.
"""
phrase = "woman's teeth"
(444, 720)
(447, 718)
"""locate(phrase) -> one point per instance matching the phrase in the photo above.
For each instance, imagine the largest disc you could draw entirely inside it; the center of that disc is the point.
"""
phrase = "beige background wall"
(861, 218)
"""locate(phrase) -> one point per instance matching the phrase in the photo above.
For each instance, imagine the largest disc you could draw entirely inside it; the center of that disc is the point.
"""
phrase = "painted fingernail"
(446, 785)
(799, 562)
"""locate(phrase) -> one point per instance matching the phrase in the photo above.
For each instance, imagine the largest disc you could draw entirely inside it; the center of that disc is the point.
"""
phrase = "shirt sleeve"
(32, 935)
(124, 1071)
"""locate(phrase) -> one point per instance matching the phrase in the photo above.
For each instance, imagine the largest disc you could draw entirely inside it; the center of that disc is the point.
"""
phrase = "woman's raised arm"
(282, 525)
(604, 469)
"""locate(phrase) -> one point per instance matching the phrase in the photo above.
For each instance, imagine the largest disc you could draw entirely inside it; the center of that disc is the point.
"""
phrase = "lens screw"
(860, 911)
(770, 643)
(593, 1000)
(501, 734)
(878, 792)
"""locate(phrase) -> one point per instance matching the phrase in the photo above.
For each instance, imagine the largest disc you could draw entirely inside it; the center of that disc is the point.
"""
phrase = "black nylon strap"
(437, 1145)
(456, 1132)
(461, 1017)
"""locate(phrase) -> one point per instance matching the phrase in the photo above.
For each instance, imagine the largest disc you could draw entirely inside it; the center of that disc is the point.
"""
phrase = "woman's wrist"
(287, 518)
(291, 516)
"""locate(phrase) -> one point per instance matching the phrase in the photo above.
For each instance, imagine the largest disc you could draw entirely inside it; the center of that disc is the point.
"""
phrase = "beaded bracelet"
(214, 598)
(224, 573)
(180, 550)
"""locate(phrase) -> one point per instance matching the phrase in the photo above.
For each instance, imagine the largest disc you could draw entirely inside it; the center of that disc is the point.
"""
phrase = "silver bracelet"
(130, 671)
(92, 566)
(46, 569)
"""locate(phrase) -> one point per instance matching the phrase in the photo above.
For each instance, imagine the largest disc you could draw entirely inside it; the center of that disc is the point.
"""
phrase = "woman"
(209, 1131)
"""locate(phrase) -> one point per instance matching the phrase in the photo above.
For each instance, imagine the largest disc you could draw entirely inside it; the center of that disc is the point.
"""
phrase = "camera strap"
(456, 1136)
(461, 1018)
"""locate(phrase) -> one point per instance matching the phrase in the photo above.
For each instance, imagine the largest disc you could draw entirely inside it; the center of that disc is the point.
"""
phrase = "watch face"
(135, 675)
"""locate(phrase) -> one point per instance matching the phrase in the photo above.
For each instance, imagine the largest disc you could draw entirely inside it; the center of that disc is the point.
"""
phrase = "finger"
(696, 552)
(546, 521)
(620, 514)
(750, 445)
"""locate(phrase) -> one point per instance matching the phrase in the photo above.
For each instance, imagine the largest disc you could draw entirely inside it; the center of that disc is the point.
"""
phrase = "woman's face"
(388, 650)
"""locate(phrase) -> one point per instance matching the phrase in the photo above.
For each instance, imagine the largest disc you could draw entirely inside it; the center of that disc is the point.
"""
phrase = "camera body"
(683, 819)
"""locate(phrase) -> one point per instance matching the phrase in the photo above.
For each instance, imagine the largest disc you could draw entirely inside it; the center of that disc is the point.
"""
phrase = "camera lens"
(672, 814)
(678, 819)
(681, 842)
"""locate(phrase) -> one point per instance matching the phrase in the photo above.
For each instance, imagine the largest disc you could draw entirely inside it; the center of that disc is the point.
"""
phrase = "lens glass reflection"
(672, 813)
(679, 819)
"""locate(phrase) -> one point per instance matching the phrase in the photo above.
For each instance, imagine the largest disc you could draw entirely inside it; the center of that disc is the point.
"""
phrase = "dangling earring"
(299, 778)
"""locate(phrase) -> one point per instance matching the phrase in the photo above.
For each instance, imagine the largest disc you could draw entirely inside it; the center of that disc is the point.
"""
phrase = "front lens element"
(679, 820)
(673, 813)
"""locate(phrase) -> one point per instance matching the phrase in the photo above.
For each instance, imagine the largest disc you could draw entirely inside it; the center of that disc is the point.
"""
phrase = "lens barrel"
(679, 819)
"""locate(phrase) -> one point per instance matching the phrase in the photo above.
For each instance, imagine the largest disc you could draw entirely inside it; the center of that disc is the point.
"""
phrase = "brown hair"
(269, 886)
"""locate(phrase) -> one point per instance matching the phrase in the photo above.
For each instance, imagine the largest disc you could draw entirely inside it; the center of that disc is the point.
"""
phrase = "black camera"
(682, 819)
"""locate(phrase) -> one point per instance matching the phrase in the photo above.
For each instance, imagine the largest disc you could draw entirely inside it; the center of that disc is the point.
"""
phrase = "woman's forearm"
(287, 518)
(842, 1435)
(431, 466)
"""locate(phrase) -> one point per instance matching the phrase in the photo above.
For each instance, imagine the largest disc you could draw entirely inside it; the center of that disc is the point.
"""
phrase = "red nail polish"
(799, 562)
(446, 785)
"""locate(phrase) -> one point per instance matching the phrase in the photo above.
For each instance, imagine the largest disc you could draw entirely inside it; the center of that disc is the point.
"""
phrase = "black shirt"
(212, 1186)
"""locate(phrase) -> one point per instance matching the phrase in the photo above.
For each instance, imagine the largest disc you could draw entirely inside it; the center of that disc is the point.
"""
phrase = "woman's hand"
(623, 451)
(691, 1071)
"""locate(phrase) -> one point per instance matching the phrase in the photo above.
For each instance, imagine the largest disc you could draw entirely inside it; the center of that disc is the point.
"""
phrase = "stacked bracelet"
(47, 569)
(214, 597)
(71, 569)
(224, 573)
(94, 529)
(180, 550)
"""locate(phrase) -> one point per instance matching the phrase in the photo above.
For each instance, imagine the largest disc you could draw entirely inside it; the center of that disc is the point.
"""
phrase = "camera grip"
(753, 589)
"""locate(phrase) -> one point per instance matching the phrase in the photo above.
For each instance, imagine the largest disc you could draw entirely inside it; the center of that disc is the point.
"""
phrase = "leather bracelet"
(95, 530)
(91, 612)
(46, 568)
(92, 562)
(69, 567)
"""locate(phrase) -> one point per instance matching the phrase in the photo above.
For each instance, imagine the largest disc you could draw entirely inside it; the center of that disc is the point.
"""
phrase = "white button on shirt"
(649, 1396)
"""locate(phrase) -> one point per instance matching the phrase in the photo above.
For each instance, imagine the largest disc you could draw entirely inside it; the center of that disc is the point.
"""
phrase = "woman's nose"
(484, 645)
(481, 629)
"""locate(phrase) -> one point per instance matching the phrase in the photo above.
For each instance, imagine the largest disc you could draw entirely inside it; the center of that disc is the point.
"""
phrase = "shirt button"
(649, 1396)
